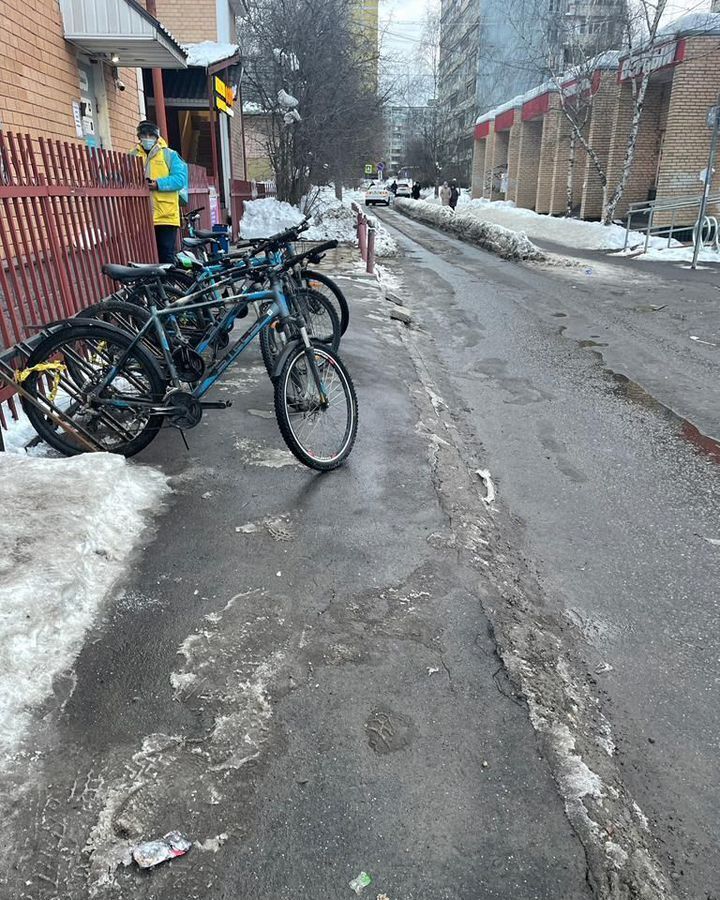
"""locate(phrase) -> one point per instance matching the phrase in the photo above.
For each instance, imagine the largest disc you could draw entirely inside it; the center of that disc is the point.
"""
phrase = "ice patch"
(70, 526)
(256, 455)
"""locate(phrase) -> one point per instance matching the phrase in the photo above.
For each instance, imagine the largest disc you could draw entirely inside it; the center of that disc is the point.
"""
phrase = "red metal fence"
(199, 194)
(64, 211)
(247, 190)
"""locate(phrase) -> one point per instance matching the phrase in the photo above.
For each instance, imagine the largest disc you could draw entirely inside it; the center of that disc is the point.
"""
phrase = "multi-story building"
(492, 50)
(404, 125)
(367, 20)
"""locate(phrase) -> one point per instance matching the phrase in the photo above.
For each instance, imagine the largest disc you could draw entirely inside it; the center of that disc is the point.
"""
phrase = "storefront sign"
(651, 60)
(224, 96)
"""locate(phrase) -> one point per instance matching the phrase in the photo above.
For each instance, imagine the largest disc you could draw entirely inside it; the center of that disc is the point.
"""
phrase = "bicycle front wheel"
(320, 433)
(318, 281)
(80, 356)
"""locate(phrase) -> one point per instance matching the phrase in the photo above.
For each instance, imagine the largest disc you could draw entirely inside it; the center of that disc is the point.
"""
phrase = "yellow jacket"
(166, 167)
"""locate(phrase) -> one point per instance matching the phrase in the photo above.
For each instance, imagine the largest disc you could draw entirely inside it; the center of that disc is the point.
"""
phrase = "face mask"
(148, 143)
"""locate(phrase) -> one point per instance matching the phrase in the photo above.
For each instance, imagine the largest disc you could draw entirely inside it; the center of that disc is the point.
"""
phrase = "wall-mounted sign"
(224, 96)
(77, 118)
(651, 60)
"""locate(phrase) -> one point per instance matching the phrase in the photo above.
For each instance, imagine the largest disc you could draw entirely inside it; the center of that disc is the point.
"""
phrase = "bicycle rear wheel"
(321, 435)
(85, 353)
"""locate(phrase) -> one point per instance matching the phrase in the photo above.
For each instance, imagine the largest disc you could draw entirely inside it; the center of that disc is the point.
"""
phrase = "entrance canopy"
(121, 31)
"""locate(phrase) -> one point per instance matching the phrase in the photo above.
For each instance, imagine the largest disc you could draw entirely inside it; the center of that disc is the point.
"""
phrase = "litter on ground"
(152, 853)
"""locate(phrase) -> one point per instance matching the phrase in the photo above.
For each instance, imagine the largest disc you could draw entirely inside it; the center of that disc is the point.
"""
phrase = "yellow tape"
(57, 367)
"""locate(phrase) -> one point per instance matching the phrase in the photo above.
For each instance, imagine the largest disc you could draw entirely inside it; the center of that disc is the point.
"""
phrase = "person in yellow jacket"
(166, 176)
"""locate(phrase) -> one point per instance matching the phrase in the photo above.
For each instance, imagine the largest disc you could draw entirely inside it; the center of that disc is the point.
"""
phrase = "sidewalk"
(300, 676)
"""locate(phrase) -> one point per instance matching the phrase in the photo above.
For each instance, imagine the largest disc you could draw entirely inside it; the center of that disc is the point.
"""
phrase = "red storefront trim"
(538, 106)
(505, 120)
(482, 130)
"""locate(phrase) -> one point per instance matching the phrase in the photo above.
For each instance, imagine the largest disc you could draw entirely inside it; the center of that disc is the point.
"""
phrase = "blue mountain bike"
(92, 385)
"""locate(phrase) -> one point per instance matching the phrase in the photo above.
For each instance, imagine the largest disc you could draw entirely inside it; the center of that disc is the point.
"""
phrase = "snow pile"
(331, 219)
(575, 233)
(263, 218)
(496, 238)
(69, 528)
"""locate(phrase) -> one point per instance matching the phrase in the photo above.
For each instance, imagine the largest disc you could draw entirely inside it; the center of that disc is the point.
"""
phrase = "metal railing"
(651, 208)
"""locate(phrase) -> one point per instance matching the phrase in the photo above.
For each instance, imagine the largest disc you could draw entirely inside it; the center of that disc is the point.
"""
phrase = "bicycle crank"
(183, 410)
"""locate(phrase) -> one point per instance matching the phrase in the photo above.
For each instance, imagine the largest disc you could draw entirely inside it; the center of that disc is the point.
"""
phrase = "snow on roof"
(207, 53)
(692, 23)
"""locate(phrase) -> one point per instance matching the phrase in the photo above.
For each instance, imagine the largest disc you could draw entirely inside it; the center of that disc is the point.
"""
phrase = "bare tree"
(320, 55)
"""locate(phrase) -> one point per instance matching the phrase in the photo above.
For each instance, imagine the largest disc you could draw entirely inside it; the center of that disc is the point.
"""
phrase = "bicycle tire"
(287, 386)
(272, 346)
(51, 349)
(337, 296)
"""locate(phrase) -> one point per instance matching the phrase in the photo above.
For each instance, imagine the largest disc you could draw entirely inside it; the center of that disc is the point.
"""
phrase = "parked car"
(404, 189)
(377, 193)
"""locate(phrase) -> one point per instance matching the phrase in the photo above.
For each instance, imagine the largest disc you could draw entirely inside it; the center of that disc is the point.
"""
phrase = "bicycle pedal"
(216, 404)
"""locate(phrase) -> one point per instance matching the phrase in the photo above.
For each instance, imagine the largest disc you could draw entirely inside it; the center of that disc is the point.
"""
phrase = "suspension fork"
(310, 355)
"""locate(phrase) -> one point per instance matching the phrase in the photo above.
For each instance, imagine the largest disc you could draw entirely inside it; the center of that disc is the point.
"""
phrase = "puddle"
(589, 343)
(631, 390)
(559, 315)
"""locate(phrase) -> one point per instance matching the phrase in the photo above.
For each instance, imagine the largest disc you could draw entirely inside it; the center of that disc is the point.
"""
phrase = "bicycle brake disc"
(187, 410)
(189, 364)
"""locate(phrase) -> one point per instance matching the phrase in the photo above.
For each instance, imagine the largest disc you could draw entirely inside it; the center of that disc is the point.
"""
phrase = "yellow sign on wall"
(224, 96)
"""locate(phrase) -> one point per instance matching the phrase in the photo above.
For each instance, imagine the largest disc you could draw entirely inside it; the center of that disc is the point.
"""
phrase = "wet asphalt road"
(597, 416)
(299, 674)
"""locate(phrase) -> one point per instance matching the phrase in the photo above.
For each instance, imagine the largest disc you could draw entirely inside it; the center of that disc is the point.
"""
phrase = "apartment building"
(492, 50)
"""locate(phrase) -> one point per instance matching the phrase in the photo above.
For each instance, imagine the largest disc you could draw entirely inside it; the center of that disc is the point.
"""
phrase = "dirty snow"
(503, 241)
(73, 526)
(575, 233)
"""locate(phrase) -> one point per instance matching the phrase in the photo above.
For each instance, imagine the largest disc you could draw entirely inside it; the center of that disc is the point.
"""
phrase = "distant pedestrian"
(454, 195)
(415, 193)
(393, 188)
(445, 194)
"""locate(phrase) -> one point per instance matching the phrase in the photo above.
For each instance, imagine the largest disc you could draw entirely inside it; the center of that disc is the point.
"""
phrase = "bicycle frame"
(278, 311)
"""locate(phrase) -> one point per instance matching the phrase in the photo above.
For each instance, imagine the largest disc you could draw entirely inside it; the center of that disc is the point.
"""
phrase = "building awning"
(121, 29)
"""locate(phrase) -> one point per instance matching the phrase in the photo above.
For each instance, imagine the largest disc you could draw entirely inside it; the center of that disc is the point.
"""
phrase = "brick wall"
(526, 176)
(548, 148)
(189, 21)
(39, 77)
(123, 108)
(478, 168)
(687, 138)
(647, 150)
(561, 162)
(513, 156)
(599, 138)
(236, 146)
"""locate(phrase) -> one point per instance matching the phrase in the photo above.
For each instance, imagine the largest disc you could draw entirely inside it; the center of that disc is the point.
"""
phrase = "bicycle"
(115, 396)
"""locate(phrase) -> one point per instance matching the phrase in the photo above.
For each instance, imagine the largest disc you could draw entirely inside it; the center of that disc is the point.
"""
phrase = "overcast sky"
(401, 20)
